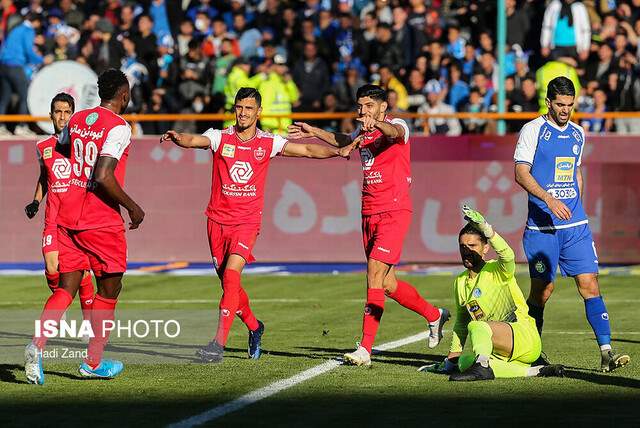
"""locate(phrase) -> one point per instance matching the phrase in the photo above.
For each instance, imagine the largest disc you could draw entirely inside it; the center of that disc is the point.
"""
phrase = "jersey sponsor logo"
(91, 119)
(475, 310)
(367, 159)
(373, 177)
(575, 149)
(564, 169)
(47, 153)
(61, 168)
(59, 187)
(241, 172)
(566, 193)
(259, 153)
(234, 190)
(87, 133)
(228, 150)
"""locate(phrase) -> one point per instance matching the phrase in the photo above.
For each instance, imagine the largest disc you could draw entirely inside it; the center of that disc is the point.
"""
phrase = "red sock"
(102, 310)
(372, 314)
(55, 306)
(408, 296)
(244, 311)
(86, 297)
(228, 304)
(52, 280)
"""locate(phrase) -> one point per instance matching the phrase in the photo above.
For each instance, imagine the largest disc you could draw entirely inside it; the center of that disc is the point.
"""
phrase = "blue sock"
(599, 319)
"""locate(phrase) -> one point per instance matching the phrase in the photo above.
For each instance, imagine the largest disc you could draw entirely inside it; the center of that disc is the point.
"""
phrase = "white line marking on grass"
(281, 385)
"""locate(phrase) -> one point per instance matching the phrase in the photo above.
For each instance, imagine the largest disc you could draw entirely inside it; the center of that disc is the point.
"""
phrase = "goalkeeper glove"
(477, 220)
(32, 209)
(447, 366)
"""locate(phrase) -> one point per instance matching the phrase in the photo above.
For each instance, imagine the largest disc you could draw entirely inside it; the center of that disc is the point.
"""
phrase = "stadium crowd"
(431, 55)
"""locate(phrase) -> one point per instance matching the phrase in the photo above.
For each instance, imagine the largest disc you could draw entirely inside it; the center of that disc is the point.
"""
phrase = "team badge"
(540, 267)
(259, 153)
(91, 119)
(228, 150)
(47, 153)
(476, 292)
(576, 149)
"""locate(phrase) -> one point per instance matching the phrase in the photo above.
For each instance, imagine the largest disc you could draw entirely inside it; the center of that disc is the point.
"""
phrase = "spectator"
(203, 7)
(628, 93)
(222, 66)
(237, 78)
(16, 56)
(249, 39)
(566, 30)
(329, 105)
(279, 95)
(598, 124)
(403, 36)
(598, 69)
(126, 26)
(194, 73)
(272, 17)
(458, 89)
(392, 103)
(311, 75)
(415, 91)
(145, 42)
(523, 100)
(137, 74)
(455, 45)
(211, 45)
(391, 83)
(437, 61)
(518, 23)
(435, 105)
(476, 104)
(564, 66)
(184, 37)
(381, 9)
(106, 50)
(347, 88)
(8, 9)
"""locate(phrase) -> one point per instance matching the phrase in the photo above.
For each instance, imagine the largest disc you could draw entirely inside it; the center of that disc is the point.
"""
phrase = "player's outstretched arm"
(316, 151)
(41, 189)
(390, 130)
(303, 130)
(187, 141)
(103, 176)
(528, 183)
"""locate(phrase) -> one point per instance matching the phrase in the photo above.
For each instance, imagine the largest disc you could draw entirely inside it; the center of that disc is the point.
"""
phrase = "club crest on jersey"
(564, 169)
(259, 153)
(91, 119)
(367, 158)
(228, 150)
(476, 292)
(47, 153)
(576, 149)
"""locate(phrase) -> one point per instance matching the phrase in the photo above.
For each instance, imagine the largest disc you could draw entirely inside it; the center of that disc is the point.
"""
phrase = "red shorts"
(383, 235)
(49, 238)
(225, 240)
(103, 250)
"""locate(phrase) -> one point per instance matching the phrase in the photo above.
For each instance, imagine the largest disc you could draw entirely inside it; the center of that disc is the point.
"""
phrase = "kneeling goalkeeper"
(491, 312)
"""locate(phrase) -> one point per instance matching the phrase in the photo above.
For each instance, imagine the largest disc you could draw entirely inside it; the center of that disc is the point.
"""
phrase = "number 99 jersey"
(92, 133)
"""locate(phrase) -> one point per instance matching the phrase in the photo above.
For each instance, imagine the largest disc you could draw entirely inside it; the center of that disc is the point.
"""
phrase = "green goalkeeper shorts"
(526, 341)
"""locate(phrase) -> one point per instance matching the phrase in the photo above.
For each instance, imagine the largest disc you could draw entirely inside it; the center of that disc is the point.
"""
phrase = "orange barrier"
(134, 118)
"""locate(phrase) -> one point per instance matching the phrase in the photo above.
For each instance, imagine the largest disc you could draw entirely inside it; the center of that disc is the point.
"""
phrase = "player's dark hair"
(63, 97)
(249, 93)
(374, 92)
(110, 82)
(560, 86)
(468, 229)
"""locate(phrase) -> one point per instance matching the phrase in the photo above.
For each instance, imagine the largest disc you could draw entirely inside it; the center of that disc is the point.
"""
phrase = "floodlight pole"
(501, 45)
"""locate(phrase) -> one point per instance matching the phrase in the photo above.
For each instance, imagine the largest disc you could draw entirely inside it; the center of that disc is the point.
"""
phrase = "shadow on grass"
(625, 340)
(603, 379)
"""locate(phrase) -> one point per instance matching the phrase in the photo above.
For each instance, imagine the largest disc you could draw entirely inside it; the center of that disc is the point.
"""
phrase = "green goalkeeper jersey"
(493, 295)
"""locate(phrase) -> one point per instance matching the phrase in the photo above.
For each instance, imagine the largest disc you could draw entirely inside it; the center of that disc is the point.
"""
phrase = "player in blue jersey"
(548, 157)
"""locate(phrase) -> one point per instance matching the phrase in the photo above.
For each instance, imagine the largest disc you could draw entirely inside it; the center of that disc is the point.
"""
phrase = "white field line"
(281, 385)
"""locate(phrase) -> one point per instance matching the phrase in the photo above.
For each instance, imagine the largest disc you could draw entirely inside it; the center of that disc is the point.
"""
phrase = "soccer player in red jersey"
(386, 213)
(241, 157)
(91, 232)
(55, 172)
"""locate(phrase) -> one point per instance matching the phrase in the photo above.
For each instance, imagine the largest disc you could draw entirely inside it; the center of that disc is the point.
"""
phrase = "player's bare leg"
(51, 269)
(102, 315)
(598, 318)
(407, 295)
(376, 273)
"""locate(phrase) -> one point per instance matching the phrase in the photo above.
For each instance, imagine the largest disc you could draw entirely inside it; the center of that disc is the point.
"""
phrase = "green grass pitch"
(310, 320)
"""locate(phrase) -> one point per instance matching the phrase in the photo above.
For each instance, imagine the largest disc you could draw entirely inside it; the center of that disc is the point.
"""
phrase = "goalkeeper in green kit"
(491, 312)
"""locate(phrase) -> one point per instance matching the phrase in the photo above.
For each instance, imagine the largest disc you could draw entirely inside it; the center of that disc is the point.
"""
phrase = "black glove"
(32, 209)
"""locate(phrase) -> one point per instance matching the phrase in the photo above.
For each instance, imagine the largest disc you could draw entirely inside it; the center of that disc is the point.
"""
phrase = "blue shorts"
(572, 249)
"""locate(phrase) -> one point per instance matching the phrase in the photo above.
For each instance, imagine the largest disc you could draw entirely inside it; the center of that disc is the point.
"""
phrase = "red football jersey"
(386, 164)
(58, 169)
(239, 174)
(93, 133)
